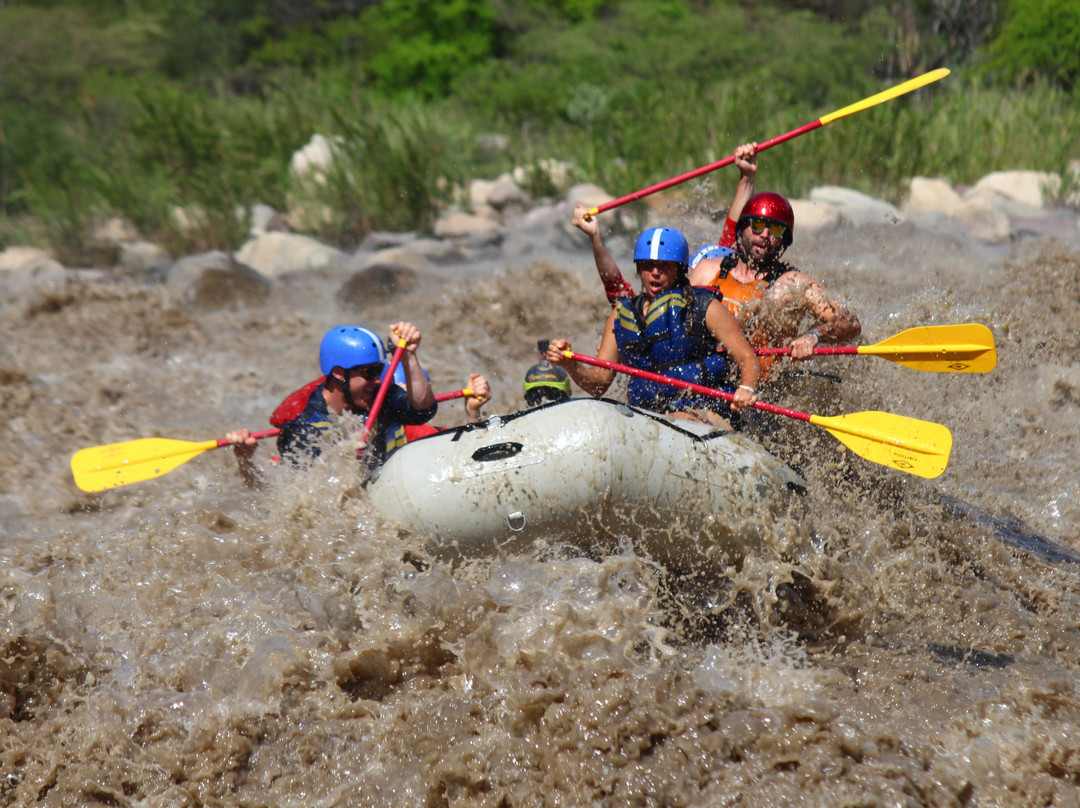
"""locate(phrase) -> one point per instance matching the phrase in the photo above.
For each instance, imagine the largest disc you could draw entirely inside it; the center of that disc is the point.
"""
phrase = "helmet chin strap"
(346, 389)
(349, 402)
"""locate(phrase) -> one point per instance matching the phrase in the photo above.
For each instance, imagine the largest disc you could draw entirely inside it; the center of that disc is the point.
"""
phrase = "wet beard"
(760, 264)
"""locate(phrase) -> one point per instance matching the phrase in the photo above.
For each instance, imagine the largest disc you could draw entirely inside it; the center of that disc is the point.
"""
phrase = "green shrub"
(421, 46)
(1038, 38)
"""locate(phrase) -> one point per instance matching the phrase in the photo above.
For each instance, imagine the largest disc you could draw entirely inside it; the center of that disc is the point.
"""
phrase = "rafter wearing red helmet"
(771, 298)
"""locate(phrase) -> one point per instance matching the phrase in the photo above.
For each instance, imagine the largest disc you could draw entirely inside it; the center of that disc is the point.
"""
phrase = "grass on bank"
(211, 155)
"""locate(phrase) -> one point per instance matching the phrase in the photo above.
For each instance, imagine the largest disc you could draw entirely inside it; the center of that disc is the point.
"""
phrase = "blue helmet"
(711, 251)
(348, 346)
(662, 244)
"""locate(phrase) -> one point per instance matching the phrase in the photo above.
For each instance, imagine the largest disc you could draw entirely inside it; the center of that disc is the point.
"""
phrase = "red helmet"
(770, 205)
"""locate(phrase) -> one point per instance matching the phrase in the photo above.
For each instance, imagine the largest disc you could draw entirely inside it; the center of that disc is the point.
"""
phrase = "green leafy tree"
(423, 45)
(1039, 38)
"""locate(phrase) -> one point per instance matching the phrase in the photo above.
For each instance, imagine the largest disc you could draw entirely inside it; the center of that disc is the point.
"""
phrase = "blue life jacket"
(299, 435)
(662, 342)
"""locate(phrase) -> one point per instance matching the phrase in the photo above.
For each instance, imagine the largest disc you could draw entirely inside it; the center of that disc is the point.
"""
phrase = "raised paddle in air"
(879, 98)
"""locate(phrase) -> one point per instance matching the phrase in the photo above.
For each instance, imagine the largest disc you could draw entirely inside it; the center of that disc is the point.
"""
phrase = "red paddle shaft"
(266, 433)
(697, 388)
(697, 172)
(859, 106)
(380, 396)
(830, 350)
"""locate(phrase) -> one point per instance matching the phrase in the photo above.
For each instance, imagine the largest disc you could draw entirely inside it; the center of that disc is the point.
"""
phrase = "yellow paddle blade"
(966, 348)
(886, 95)
(102, 467)
(908, 444)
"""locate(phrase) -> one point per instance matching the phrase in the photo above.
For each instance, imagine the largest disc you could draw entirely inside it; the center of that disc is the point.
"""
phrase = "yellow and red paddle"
(964, 348)
(917, 447)
(102, 467)
(866, 103)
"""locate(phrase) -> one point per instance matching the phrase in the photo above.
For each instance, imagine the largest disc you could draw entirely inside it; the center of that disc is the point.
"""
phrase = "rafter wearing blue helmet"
(353, 361)
(671, 329)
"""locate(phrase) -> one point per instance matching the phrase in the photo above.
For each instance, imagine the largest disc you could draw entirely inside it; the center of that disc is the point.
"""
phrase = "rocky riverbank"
(496, 223)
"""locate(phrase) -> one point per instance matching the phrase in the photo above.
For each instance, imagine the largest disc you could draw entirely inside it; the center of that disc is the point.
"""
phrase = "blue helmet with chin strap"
(711, 251)
(348, 346)
(662, 244)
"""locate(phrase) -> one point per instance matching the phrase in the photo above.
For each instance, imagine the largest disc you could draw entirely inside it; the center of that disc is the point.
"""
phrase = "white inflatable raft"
(590, 472)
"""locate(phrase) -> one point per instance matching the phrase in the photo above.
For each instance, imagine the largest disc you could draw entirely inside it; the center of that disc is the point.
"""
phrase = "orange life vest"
(736, 296)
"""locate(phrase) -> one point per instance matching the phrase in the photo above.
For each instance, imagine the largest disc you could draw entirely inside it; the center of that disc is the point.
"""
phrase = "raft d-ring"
(516, 521)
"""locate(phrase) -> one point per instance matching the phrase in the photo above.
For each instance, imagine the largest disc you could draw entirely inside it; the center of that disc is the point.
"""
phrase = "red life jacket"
(294, 403)
(297, 400)
(417, 431)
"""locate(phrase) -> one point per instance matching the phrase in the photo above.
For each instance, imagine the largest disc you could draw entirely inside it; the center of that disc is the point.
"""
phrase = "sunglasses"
(535, 396)
(370, 372)
(776, 229)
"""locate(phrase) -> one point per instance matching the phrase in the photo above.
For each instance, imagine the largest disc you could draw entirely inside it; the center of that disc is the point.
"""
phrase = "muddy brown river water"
(187, 642)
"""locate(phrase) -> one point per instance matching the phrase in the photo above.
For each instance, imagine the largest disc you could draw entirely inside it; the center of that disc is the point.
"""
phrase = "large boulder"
(265, 219)
(437, 251)
(115, 230)
(984, 221)
(932, 195)
(556, 174)
(404, 249)
(404, 256)
(144, 257)
(1072, 175)
(506, 193)
(275, 254)
(856, 208)
(812, 217)
(215, 280)
(477, 192)
(1033, 188)
(540, 229)
(26, 268)
(469, 227)
(376, 284)
(587, 194)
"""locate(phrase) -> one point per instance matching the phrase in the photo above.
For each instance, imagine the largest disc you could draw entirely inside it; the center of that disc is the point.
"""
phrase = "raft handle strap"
(497, 451)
